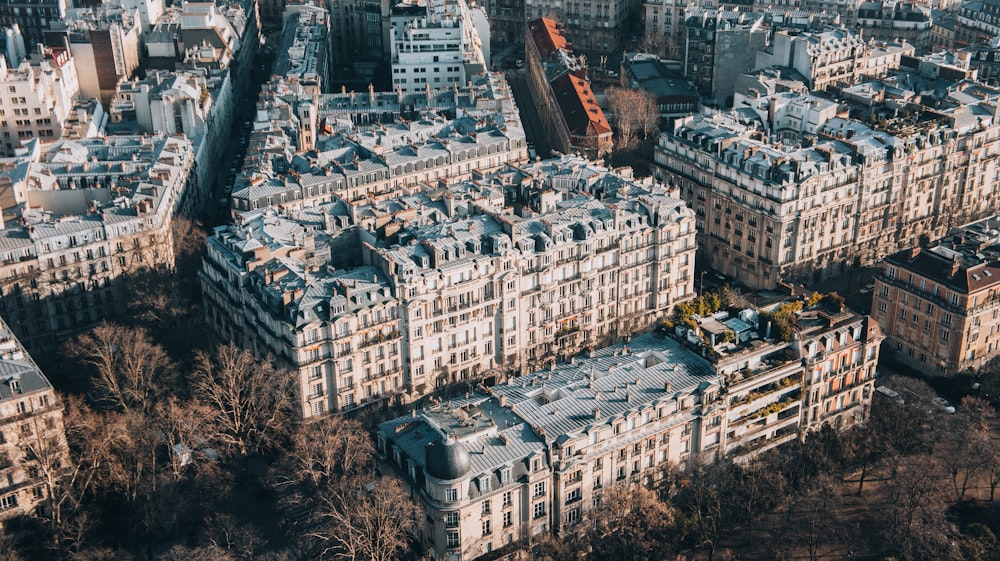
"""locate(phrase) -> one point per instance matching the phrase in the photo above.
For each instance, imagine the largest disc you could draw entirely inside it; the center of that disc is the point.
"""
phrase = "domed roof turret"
(447, 460)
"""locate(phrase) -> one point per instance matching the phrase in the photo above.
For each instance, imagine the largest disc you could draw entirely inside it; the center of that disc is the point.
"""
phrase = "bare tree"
(631, 523)
(249, 399)
(327, 449)
(991, 456)
(130, 371)
(812, 518)
(634, 111)
(915, 523)
(366, 521)
(964, 437)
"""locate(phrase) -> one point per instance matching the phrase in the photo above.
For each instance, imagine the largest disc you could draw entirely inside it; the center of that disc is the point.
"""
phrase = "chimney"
(666, 386)
(954, 267)
(597, 413)
(914, 252)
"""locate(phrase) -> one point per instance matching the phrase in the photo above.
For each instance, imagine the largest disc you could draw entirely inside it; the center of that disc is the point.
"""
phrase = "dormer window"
(484, 484)
(15, 386)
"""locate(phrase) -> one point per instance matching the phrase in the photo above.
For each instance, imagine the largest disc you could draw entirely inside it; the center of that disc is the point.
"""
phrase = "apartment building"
(938, 302)
(435, 44)
(845, 11)
(363, 34)
(978, 21)
(597, 26)
(766, 213)
(770, 209)
(533, 456)
(37, 98)
(307, 147)
(305, 52)
(893, 20)
(478, 289)
(104, 43)
(834, 56)
(79, 216)
(664, 20)
(720, 45)
(574, 123)
(33, 450)
(33, 18)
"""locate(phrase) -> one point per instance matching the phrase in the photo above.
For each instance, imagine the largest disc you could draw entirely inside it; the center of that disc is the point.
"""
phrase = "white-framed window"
(538, 510)
(451, 520)
(538, 490)
(8, 502)
(451, 494)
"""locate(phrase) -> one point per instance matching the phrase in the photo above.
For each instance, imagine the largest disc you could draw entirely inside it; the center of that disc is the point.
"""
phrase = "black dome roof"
(447, 460)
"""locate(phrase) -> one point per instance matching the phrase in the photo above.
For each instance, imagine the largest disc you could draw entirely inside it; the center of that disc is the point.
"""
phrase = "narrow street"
(529, 113)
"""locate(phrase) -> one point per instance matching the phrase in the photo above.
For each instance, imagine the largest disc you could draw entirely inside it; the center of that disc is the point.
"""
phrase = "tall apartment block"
(435, 44)
(891, 20)
(534, 456)
(33, 450)
(720, 45)
(770, 209)
(79, 216)
(37, 98)
(471, 281)
(939, 302)
(33, 18)
(104, 43)
(597, 26)
(307, 147)
(572, 119)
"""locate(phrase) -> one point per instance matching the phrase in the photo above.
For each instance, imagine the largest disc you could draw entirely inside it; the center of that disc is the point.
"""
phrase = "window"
(452, 539)
(574, 495)
(538, 510)
(538, 490)
(487, 507)
(507, 499)
(507, 520)
(505, 476)
(21, 408)
(451, 520)
(451, 494)
(8, 502)
(484, 483)
(317, 408)
(487, 527)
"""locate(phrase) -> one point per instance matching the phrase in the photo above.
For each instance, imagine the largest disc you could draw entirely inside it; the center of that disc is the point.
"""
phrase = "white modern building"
(435, 44)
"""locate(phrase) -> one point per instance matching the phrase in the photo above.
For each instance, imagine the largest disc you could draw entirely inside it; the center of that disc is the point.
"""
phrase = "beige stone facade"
(460, 284)
(85, 215)
(33, 450)
(939, 303)
(533, 456)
